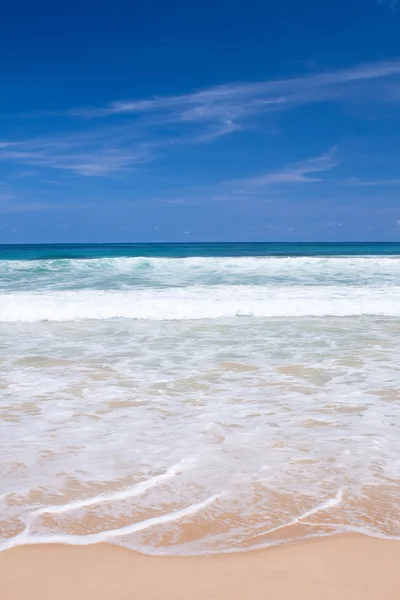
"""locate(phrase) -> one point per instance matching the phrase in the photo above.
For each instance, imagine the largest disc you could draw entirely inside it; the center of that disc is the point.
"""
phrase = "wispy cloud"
(240, 190)
(83, 154)
(372, 182)
(233, 101)
(14, 204)
(391, 3)
(302, 172)
(122, 134)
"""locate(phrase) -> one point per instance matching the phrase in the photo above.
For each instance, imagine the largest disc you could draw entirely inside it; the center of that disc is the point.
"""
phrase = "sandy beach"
(346, 567)
(138, 408)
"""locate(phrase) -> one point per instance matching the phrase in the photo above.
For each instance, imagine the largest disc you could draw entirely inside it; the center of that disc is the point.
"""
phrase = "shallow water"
(199, 404)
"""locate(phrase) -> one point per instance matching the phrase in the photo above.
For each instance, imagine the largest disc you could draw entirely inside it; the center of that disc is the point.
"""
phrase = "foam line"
(322, 506)
(85, 540)
(19, 540)
(132, 492)
(368, 532)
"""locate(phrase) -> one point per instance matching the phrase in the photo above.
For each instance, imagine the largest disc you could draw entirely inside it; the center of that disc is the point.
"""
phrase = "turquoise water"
(192, 398)
(57, 251)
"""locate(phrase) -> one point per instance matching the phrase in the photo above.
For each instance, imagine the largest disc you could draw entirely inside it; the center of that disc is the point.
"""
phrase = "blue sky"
(211, 121)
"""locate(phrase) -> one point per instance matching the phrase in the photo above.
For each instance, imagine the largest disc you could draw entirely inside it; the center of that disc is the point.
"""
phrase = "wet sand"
(343, 567)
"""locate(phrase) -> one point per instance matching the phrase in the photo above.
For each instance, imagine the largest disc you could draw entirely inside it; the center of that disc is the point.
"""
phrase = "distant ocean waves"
(198, 288)
(124, 273)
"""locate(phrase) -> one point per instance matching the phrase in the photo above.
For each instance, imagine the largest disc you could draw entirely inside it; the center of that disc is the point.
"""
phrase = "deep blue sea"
(196, 398)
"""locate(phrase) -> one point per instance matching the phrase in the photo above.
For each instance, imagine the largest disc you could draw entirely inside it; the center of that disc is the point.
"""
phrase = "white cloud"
(232, 101)
(302, 172)
(372, 182)
(147, 126)
(391, 3)
(78, 153)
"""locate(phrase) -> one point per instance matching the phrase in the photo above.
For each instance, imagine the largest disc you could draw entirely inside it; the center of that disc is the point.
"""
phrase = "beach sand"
(350, 567)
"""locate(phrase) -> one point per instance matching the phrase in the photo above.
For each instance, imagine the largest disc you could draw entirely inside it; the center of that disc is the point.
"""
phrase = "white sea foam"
(25, 538)
(322, 506)
(200, 303)
(125, 273)
(112, 370)
(132, 492)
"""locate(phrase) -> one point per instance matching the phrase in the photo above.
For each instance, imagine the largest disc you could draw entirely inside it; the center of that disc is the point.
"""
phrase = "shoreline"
(349, 567)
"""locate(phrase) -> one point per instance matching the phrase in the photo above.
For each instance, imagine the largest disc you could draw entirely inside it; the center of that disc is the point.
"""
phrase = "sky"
(155, 121)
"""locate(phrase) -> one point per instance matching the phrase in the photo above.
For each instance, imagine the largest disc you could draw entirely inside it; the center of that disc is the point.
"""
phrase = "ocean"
(198, 398)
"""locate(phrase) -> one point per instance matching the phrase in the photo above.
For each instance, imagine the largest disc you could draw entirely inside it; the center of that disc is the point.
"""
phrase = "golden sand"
(336, 568)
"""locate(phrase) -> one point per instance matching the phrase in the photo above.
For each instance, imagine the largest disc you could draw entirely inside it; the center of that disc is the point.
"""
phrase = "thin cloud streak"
(211, 113)
(82, 155)
(243, 98)
(372, 183)
(301, 172)
(144, 128)
(236, 190)
(390, 3)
